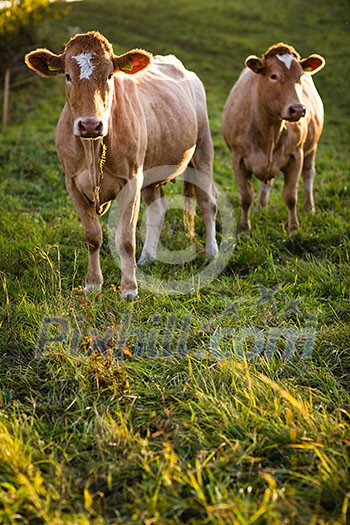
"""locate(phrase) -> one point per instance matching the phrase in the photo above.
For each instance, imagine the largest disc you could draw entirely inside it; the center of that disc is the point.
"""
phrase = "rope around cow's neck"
(101, 163)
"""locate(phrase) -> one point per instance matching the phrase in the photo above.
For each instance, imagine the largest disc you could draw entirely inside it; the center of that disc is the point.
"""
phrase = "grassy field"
(226, 405)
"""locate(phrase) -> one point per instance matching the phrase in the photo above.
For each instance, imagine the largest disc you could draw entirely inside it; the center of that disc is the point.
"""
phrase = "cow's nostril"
(81, 127)
(99, 128)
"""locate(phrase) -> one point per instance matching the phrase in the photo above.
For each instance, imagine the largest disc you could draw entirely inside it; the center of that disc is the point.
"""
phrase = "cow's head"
(88, 63)
(280, 71)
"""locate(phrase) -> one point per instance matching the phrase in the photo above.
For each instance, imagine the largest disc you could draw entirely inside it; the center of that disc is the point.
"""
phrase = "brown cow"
(124, 115)
(272, 122)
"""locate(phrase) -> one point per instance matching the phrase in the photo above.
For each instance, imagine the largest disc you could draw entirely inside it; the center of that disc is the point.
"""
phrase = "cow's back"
(172, 72)
(173, 105)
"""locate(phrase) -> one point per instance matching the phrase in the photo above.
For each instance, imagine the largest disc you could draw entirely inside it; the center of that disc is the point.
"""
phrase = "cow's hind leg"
(156, 209)
(92, 236)
(308, 175)
(205, 191)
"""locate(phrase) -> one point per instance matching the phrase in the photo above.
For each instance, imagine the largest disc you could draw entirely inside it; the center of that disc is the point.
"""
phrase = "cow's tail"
(189, 198)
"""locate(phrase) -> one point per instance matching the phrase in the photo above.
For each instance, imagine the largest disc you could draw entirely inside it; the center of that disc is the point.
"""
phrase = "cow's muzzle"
(89, 128)
(294, 112)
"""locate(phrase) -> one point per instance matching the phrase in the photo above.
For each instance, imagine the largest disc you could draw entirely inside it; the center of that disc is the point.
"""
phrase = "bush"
(23, 26)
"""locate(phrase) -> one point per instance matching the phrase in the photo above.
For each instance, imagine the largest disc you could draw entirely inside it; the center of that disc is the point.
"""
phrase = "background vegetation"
(24, 24)
(112, 426)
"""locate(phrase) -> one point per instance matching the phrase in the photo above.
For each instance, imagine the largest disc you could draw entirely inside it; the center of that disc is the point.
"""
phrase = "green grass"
(229, 405)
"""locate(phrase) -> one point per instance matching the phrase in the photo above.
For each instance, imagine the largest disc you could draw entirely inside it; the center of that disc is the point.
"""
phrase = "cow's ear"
(255, 64)
(312, 64)
(132, 62)
(45, 63)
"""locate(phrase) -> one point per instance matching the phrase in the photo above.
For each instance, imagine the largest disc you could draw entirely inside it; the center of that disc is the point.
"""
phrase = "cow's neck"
(270, 130)
(267, 123)
(94, 152)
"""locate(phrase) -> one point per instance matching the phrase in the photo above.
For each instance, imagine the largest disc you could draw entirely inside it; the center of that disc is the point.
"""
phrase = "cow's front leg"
(92, 235)
(125, 239)
(290, 191)
(246, 192)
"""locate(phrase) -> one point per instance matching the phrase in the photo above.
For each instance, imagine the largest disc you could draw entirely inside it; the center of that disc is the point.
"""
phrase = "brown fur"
(91, 41)
(281, 49)
(266, 132)
(154, 118)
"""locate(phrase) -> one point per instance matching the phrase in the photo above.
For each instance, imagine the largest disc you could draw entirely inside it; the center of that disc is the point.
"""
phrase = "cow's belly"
(171, 149)
(162, 172)
(264, 168)
(172, 129)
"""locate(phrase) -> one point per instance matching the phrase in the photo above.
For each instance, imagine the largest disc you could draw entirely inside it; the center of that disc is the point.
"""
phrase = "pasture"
(229, 404)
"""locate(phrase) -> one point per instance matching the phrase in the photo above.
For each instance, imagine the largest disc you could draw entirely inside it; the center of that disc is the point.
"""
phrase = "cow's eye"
(110, 76)
(274, 77)
(68, 77)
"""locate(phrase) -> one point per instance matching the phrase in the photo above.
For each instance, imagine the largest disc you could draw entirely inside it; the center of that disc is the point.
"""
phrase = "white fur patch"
(85, 63)
(286, 59)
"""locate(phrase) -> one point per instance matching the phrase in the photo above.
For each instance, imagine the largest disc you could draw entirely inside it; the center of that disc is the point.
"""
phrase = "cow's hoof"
(244, 229)
(89, 288)
(244, 234)
(308, 208)
(262, 205)
(129, 295)
(212, 251)
(293, 230)
(144, 260)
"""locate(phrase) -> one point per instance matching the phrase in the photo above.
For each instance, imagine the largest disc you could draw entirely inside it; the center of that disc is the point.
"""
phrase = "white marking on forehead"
(286, 59)
(85, 63)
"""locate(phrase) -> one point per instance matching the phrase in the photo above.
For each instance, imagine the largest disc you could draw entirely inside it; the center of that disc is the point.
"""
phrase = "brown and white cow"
(272, 122)
(147, 112)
